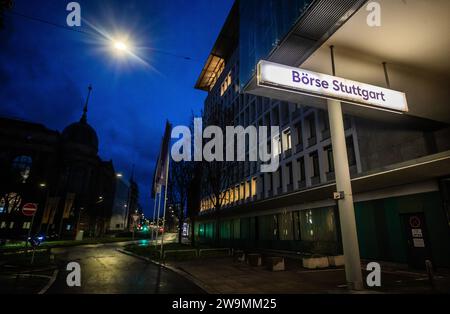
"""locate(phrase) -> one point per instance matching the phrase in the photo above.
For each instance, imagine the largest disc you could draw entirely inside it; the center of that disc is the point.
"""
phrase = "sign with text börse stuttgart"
(284, 77)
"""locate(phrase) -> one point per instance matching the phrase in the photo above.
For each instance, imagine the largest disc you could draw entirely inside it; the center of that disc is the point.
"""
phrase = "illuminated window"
(287, 140)
(3, 225)
(26, 225)
(241, 191)
(254, 187)
(247, 189)
(226, 84)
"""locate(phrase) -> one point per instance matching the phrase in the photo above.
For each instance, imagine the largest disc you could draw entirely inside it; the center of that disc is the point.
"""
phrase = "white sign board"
(416, 233)
(418, 242)
(284, 77)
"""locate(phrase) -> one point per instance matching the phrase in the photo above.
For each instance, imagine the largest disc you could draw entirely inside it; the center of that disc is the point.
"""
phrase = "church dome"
(81, 133)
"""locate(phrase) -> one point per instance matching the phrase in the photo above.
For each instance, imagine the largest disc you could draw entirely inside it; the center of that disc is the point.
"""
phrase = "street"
(104, 270)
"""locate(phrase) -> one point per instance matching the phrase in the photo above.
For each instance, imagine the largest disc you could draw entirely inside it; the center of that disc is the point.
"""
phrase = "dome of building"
(81, 133)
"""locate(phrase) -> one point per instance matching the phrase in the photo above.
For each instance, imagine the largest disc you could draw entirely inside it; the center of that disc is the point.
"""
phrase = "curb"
(50, 282)
(179, 271)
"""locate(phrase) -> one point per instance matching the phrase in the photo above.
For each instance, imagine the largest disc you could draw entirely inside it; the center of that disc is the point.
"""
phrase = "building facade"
(399, 165)
(60, 172)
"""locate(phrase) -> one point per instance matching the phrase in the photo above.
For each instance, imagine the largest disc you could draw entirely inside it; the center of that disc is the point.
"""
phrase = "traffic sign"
(29, 209)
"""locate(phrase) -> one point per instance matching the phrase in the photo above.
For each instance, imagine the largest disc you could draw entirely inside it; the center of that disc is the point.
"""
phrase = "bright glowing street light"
(120, 46)
(119, 175)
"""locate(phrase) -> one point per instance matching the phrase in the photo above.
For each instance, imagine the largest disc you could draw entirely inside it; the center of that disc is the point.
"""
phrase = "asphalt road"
(105, 270)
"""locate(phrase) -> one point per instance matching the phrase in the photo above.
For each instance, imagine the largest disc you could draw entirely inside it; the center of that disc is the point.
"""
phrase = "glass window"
(286, 226)
(268, 227)
(254, 184)
(296, 225)
(325, 120)
(287, 140)
(351, 151)
(298, 127)
(247, 189)
(301, 165)
(263, 23)
(312, 125)
(315, 164)
(329, 151)
(289, 172)
(318, 224)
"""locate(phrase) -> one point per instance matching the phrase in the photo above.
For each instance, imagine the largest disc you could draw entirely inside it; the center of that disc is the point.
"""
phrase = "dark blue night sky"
(45, 71)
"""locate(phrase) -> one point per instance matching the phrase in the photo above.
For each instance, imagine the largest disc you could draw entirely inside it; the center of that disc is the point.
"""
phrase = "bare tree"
(180, 178)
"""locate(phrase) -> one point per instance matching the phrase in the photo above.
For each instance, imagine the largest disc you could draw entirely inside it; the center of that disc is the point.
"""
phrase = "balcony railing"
(287, 153)
(301, 184)
(315, 180)
(290, 187)
(325, 134)
(353, 170)
(330, 176)
(312, 141)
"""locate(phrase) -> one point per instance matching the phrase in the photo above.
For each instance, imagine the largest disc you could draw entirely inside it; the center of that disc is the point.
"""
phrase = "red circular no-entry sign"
(29, 209)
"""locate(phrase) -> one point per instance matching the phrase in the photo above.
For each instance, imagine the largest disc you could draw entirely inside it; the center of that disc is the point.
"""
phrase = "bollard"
(430, 272)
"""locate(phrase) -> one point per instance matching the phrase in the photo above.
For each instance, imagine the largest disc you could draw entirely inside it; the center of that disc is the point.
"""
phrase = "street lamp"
(121, 47)
(119, 175)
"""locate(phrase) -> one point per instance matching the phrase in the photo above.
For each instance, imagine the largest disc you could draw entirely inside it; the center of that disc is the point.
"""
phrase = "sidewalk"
(222, 275)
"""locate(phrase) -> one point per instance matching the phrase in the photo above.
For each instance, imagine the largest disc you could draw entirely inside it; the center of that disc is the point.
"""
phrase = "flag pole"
(154, 209)
(165, 203)
(154, 214)
(157, 217)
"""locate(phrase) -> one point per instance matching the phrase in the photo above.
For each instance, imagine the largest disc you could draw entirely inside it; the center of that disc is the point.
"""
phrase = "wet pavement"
(104, 270)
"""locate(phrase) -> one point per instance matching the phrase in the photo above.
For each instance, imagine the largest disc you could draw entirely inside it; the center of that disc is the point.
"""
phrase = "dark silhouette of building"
(61, 172)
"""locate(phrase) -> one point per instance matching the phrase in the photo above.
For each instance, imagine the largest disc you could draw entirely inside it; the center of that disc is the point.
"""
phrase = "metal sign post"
(29, 209)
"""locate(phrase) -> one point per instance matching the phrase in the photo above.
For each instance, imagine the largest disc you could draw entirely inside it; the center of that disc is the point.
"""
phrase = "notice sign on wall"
(279, 76)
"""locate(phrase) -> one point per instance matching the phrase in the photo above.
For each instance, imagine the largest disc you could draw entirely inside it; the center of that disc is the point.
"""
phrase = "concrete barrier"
(239, 256)
(254, 259)
(336, 261)
(275, 263)
(315, 262)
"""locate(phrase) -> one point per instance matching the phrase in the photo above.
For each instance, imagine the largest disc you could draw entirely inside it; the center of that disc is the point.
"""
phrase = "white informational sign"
(417, 233)
(284, 77)
(418, 242)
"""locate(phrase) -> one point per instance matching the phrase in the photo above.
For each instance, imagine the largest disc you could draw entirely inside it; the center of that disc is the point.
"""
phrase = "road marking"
(50, 282)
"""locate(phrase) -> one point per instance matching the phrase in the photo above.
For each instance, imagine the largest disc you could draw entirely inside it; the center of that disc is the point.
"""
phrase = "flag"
(159, 177)
(70, 197)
